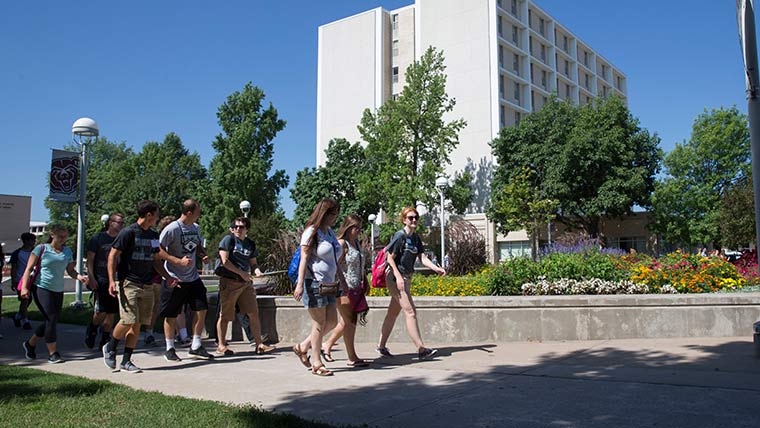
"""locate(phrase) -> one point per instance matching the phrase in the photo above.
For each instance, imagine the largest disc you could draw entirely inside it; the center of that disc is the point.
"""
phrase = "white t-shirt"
(324, 264)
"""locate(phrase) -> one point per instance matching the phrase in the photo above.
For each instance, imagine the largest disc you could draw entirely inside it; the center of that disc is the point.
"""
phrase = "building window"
(518, 117)
(530, 18)
(514, 8)
(543, 53)
(567, 68)
(532, 74)
(586, 82)
(394, 97)
(541, 25)
(585, 58)
(395, 47)
(509, 250)
(545, 101)
(501, 56)
(604, 92)
(515, 36)
(394, 21)
(530, 45)
(604, 72)
(564, 44)
(516, 64)
(567, 92)
(501, 26)
(501, 87)
(619, 83)
(543, 78)
(502, 116)
(517, 93)
(395, 74)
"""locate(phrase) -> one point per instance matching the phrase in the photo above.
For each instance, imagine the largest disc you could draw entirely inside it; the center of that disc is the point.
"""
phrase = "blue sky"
(143, 69)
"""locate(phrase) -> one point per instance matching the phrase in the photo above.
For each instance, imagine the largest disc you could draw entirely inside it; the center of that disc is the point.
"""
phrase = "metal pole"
(746, 16)
(443, 239)
(372, 241)
(80, 223)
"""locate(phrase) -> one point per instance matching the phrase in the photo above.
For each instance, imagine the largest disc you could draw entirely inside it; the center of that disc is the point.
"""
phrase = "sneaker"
(149, 340)
(55, 358)
(29, 352)
(89, 336)
(171, 355)
(200, 354)
(109, 357)
(27, 325)
(16, 320)
(427, 354)
(104, 340)
(384, 351)
(184, 343)
(129, 367)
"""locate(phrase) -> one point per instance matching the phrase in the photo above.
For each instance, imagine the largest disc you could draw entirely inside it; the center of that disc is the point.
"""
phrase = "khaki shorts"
(390, 283)
(233, 292)
(135, 303)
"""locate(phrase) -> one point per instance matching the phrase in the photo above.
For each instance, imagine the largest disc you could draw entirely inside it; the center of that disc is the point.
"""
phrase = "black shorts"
(104, 302)
(173, 299)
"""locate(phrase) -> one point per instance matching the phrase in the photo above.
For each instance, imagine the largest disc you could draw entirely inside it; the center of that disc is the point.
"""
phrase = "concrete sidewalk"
(695, 382)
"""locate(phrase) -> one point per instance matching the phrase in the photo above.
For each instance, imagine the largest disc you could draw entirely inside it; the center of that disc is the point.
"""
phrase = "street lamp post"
(372, 218)
(441, 183)
(245, 207)
(83, 127)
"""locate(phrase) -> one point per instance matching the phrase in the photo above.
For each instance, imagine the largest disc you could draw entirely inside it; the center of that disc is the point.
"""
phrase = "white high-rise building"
(504, 59)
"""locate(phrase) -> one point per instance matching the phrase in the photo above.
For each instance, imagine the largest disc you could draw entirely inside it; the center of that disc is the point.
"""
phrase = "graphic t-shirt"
(100, 244)
(406, 250)
(239, 253)
(137, 246)
(180, 240)
(53, 267)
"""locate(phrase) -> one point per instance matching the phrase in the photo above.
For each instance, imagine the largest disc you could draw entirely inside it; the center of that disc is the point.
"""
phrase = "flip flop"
(264, 349)
(321, 371)
(358, 363)
(327, 356)
(303, 356)
(227, 352)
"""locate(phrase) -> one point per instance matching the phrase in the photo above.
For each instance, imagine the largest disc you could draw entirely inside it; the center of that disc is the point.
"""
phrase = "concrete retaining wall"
(527, 318)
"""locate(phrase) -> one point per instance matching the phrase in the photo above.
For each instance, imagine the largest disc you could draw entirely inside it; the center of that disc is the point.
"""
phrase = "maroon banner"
(64, 176)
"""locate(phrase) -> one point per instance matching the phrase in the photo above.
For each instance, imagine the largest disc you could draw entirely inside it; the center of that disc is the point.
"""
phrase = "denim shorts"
(311, 297)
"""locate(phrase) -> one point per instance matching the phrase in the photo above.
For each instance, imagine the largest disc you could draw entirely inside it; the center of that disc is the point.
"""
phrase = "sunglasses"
(412, 217)
(238, 226)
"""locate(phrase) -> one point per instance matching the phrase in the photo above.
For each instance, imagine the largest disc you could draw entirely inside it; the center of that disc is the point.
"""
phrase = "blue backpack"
(294, 262)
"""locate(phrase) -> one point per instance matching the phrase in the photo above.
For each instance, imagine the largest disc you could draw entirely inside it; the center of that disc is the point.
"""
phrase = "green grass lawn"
(30, 397)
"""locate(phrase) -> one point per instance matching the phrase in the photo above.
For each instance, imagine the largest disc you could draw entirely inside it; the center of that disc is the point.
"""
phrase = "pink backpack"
(378, 270)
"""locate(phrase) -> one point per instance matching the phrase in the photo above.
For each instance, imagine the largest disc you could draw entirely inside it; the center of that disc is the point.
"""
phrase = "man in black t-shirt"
(136, 249)
(106, 306)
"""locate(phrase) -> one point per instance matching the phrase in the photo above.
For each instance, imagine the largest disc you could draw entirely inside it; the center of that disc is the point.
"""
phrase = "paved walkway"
(695, 382)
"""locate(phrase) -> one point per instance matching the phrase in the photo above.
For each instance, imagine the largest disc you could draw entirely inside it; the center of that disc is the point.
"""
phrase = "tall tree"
(167, 173)
(737, 214)
(408, 142)
(339, 179)
(595, 160)
(687, 201)
(519, 204)
(241, 168)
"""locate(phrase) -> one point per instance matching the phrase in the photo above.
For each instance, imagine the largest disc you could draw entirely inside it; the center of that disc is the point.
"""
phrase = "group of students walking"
(142, 275)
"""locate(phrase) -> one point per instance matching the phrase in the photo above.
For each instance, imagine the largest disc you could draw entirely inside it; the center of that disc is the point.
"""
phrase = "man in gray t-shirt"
(180, 242)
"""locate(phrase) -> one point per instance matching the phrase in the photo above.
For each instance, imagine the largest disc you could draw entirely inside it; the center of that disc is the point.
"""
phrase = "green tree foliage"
(460, 192)
(737, 214)
(595, 160)
(167, 174)
(408, 142)
(339, 178)
(240, 170)
(519, 204)
(687, 202)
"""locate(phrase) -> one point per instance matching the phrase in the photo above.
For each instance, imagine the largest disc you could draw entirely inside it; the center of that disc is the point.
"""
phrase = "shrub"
(584, 286)
(506, 278)
(435, 285)
(586, 265)
(465, 247)
(688, 273)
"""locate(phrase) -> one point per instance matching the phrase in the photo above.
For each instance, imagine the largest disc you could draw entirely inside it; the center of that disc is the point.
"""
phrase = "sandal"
(358, 363)
(327, 356)
(303, 356)
(264, 349)
(321, 371)
(225, 351)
